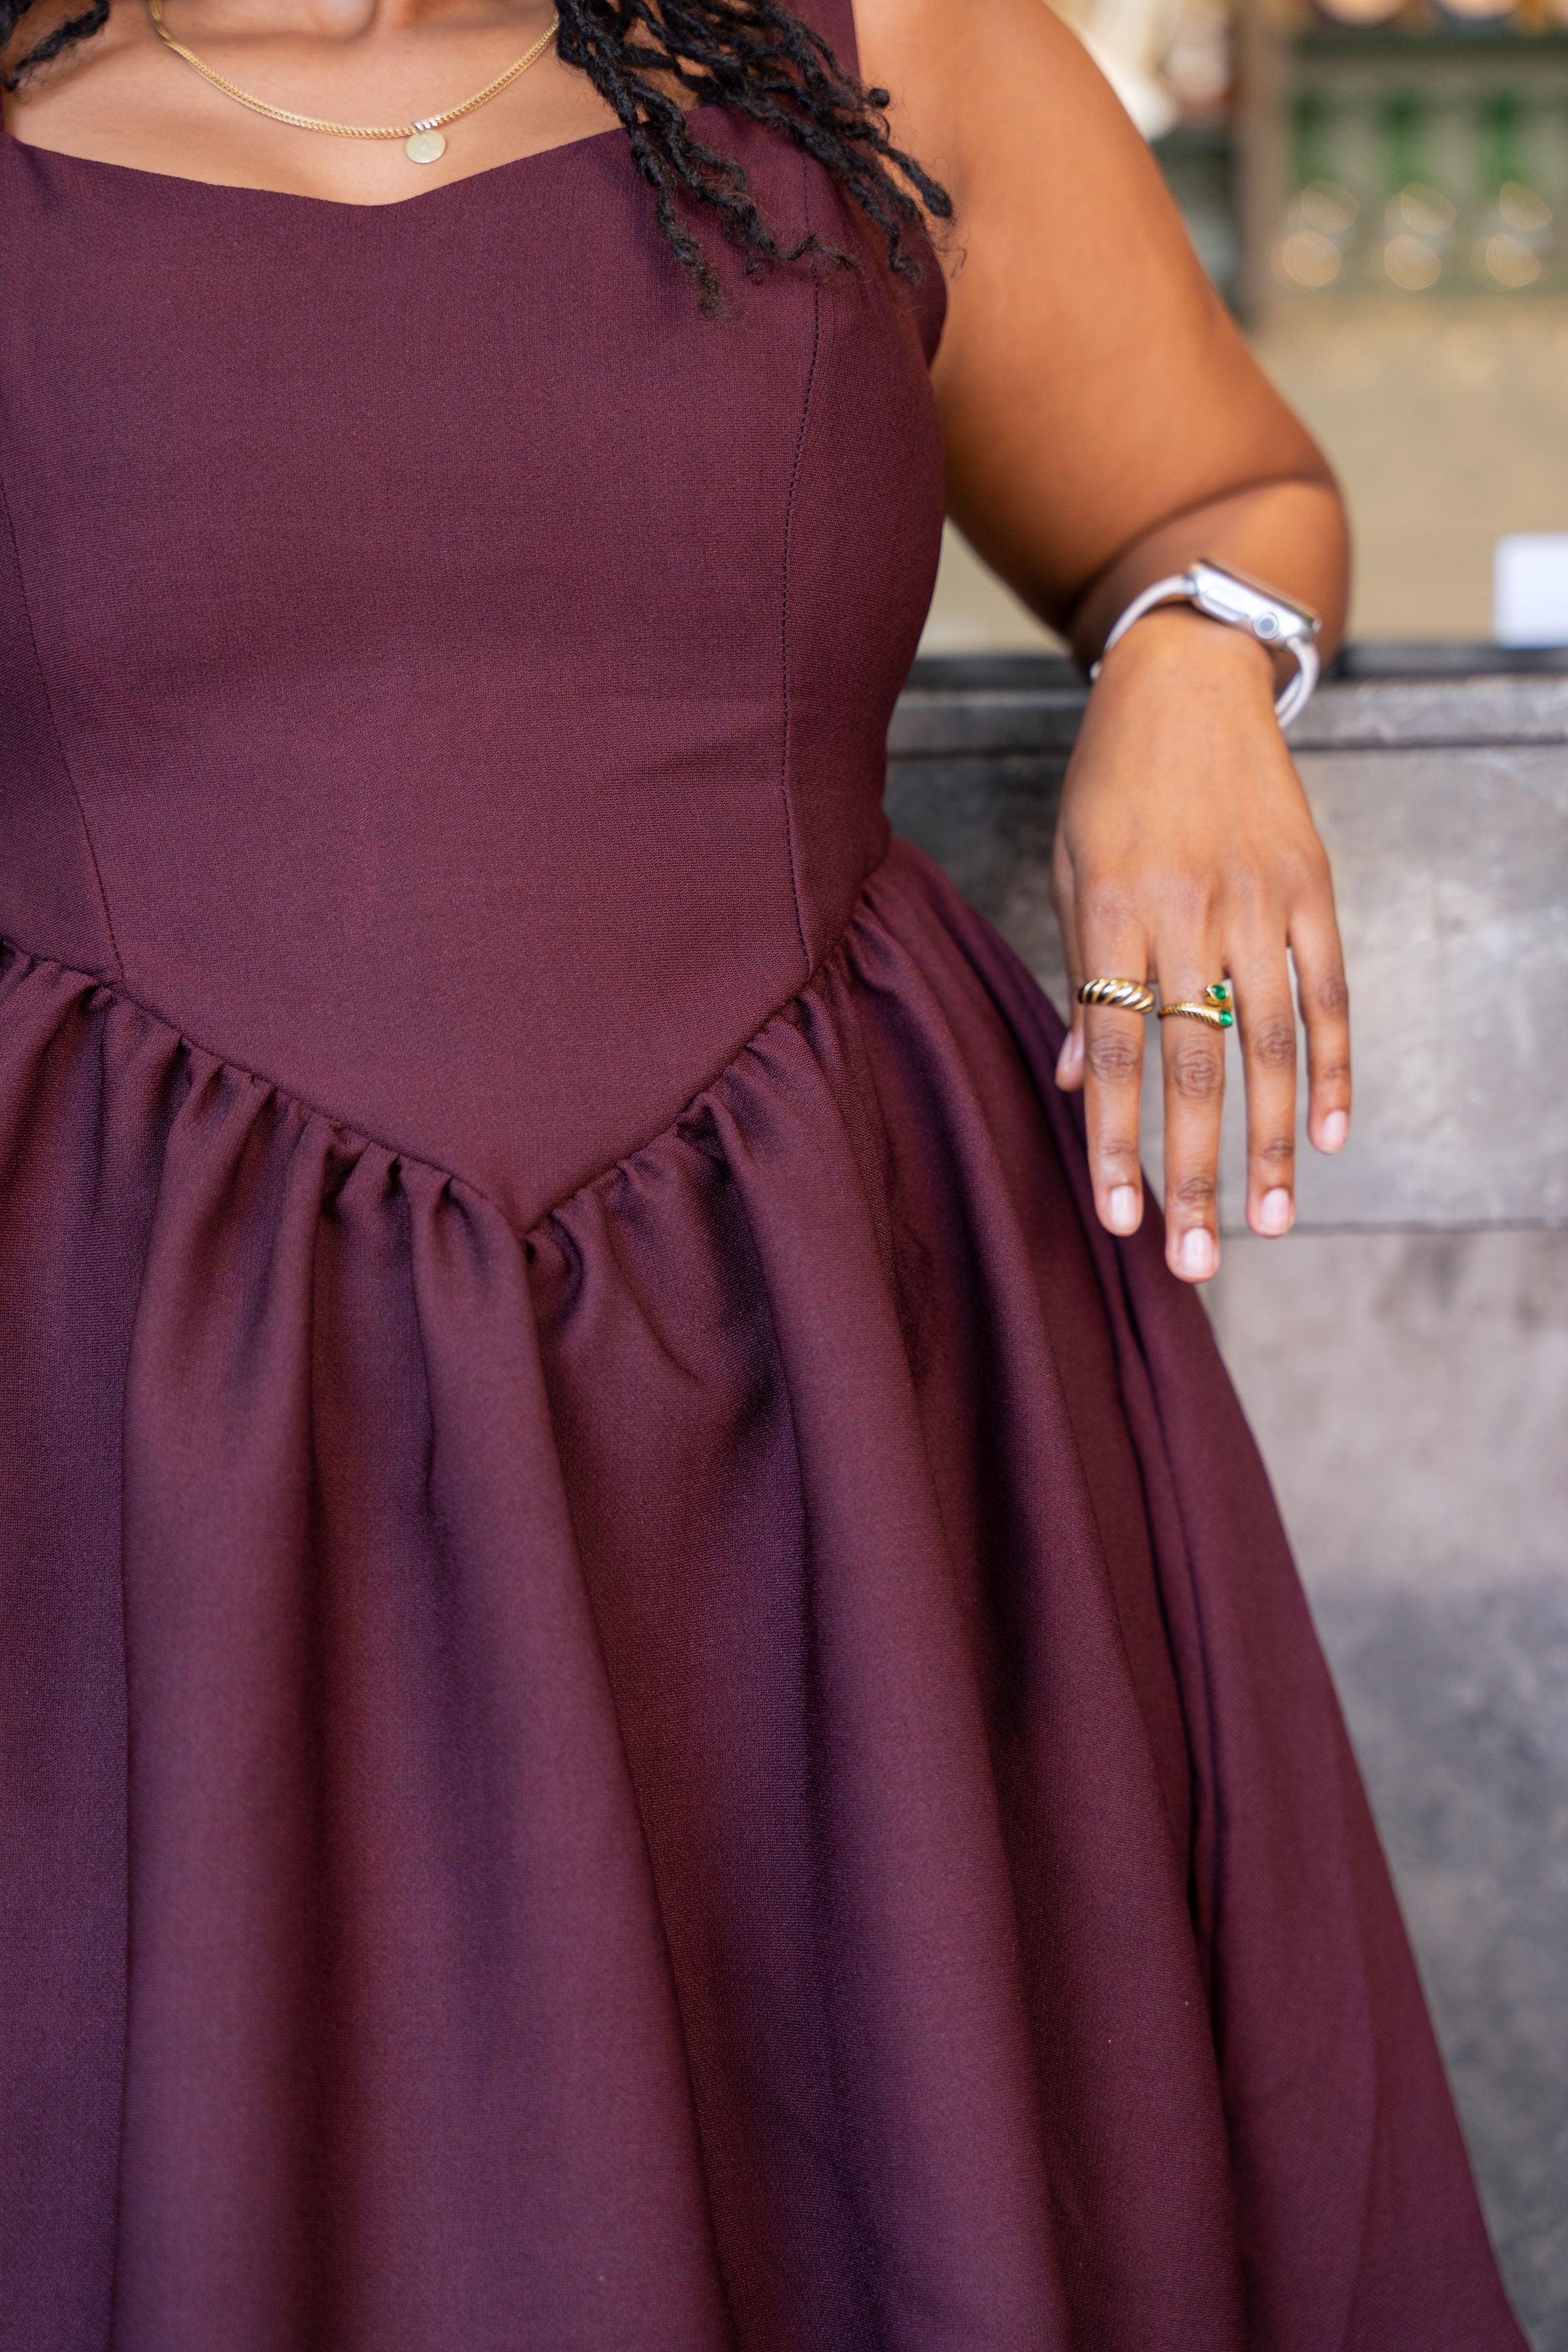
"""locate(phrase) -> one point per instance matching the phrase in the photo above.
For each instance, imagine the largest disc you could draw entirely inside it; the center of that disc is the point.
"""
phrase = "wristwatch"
(1243, 604)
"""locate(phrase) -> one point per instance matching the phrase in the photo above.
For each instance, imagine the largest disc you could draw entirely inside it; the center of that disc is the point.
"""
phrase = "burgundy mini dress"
(651, 1699)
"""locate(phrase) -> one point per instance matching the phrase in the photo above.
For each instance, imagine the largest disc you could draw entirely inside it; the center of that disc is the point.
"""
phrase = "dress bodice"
(440, 670)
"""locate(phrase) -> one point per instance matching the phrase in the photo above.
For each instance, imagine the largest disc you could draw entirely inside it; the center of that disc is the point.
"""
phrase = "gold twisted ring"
(1215, 1008)
(1129, 994)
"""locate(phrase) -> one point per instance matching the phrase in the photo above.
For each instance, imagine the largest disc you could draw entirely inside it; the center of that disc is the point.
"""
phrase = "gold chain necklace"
(422, 140)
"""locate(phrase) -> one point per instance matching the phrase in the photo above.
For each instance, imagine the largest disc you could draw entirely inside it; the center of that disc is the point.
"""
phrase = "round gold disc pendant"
(424, 146)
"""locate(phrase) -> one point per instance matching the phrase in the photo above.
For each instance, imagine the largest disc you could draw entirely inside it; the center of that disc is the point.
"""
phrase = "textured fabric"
(650, 1700)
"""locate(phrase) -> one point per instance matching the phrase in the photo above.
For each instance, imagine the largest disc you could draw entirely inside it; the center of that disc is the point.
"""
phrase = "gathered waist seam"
(94, 984)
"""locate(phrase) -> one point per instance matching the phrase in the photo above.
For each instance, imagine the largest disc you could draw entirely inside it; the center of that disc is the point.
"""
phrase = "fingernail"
(1069, 1058)
(1336, 1127)
(1196, 1255)
(1123, 1208)
(1275, 1212)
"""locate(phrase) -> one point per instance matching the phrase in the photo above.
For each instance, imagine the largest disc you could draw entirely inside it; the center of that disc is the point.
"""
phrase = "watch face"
(1233, 594)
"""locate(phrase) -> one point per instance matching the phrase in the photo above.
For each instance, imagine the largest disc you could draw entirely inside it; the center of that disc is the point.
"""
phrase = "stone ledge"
(961, 706)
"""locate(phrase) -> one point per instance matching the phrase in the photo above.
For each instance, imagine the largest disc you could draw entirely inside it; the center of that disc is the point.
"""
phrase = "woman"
(651, 1695)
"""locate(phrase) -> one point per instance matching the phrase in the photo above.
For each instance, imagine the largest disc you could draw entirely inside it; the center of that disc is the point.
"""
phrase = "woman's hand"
(1186, 853)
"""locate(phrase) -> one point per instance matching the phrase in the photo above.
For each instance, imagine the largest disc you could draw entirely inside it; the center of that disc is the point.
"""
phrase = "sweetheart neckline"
(325, 204)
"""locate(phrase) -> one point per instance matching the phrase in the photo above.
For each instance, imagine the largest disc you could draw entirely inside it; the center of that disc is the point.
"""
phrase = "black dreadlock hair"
(754, 58)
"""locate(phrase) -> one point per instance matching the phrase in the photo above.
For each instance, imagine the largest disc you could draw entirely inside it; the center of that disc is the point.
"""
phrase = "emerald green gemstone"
(1228, 1020)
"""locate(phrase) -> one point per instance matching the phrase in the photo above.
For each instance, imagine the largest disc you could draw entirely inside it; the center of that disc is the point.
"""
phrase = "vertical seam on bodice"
(783, 602)
(119, 960)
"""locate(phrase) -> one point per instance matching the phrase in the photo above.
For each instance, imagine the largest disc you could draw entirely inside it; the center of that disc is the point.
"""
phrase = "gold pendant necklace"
(423, 141)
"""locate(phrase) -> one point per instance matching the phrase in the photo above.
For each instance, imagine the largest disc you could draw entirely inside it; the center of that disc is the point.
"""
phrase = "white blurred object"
(1198, 67)
(1127, 40)
(1529, 588)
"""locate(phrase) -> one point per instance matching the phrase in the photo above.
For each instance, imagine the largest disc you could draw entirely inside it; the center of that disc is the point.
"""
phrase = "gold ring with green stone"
(1215, 1009)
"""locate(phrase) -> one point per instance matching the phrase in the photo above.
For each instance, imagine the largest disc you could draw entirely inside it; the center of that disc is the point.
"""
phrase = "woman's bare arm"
(1103, 417)
(1104, 424)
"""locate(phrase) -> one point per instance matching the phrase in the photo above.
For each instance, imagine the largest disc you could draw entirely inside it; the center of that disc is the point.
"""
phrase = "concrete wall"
(1403, 1357)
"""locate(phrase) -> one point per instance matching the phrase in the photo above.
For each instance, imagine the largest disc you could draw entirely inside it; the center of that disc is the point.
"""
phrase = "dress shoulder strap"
(835, 20)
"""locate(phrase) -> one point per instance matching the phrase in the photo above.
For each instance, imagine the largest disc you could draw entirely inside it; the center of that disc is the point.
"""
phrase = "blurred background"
(1379, 188)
